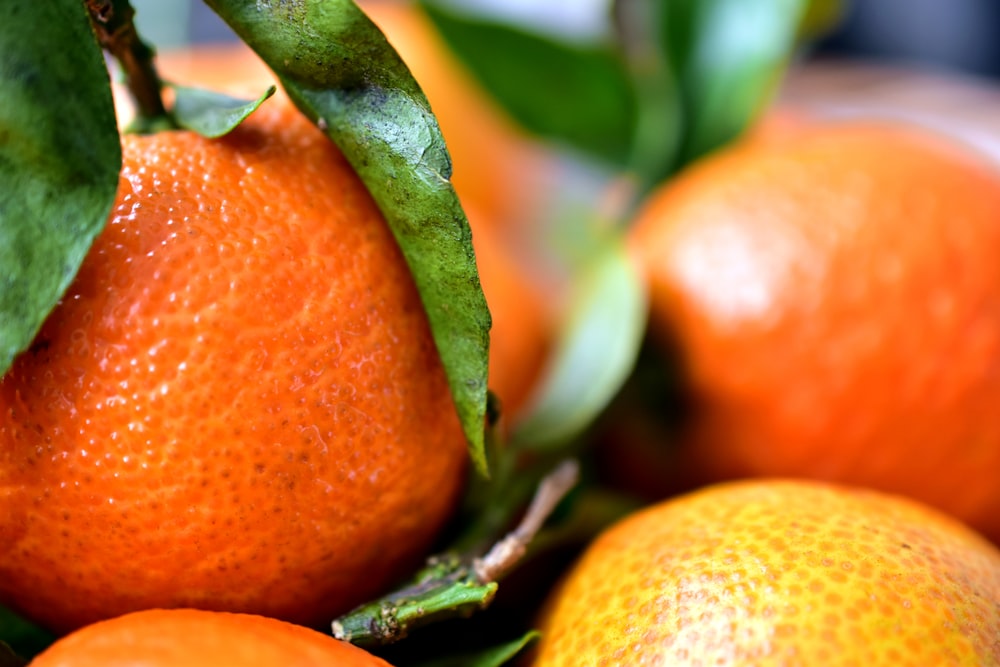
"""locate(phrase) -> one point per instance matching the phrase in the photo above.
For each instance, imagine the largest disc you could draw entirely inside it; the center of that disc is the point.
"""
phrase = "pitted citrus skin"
(238, 404)
(779, 573)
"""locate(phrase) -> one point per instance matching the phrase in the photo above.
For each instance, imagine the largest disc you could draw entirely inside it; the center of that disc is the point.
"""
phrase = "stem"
(115, 28)
(453, 585)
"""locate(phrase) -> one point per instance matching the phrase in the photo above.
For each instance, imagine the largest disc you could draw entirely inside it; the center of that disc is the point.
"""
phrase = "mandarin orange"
(194, 638)
(495, 192)
(779, 572)
(238, 404)
(835, 300)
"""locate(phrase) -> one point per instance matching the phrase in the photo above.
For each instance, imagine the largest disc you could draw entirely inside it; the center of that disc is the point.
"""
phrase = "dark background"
(959, 35)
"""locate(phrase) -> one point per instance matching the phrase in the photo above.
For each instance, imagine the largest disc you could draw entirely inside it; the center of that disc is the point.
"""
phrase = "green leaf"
(574, 94)
(22, 637)
(341, 72)
(212, 114)
(495, 656)
(59, 159)
(595, 354)
(728, 57)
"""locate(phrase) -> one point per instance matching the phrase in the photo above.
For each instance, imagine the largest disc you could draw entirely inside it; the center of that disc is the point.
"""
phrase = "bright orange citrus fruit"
(494, 191)
(193, 638)
(835, 300)
(237, 405)
(779, 573)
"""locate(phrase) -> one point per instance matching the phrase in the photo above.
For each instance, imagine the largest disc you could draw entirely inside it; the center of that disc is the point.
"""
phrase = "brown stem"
(113, 22)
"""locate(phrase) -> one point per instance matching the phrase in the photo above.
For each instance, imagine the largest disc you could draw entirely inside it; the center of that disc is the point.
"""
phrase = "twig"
(115, 28)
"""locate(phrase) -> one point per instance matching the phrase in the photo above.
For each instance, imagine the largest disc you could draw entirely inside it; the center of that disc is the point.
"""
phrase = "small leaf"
(495, 656)
(574, 94)
(59, 159)
(595, 354)
(212, 114)
(728, 57)
(340, 71)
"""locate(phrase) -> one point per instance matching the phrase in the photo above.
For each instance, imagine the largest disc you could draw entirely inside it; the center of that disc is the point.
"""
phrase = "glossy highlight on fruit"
(237, 405)
(192, 638)
(779, 572)
(834, 300)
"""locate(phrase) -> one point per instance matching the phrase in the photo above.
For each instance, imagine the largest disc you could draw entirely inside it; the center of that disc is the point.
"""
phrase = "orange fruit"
(779, 573)
(193, 638)
(835, 300)
(497, 168)
(494, 191)
(237, 405)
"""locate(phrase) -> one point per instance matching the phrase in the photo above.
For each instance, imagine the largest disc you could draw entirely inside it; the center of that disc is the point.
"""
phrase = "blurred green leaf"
(573, 94)
(24, 638)
(727, 57)
(595, 353)
(495, 656)
(10, 659)
(59, 159)
(212, 114)
(341, 72)
(821, 17)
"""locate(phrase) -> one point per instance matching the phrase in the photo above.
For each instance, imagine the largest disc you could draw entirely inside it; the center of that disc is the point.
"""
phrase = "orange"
(192, 638)
(495, 190)
(779, 573)
(497, 167)
(835, 300)
(237, 405)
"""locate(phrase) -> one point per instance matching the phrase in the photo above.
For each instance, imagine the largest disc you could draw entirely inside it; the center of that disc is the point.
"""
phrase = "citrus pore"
(778, 572)
(237, 405)
(834, 301)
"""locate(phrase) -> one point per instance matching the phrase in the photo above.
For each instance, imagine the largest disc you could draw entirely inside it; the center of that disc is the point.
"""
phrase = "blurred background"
(958, 36)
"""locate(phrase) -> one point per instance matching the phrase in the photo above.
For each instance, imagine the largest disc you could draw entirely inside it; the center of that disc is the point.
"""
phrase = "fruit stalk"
(451, 585)
(115, 28)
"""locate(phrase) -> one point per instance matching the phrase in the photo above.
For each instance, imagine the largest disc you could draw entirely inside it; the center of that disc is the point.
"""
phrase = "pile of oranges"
(237, 414)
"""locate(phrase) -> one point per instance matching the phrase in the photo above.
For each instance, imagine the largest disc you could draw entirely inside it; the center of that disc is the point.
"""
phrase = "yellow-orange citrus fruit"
(194, 638)
(779, 573)
(237, 405)
(835, 300)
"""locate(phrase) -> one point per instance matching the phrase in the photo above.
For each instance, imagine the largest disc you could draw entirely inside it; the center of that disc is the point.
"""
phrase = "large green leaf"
(339, 69)
(579, 95)
(59, 159)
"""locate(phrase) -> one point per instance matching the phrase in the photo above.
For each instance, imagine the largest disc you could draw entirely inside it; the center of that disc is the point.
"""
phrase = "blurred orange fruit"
(779, 573)
(192, 638)
(238, 404)
(835, 301)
